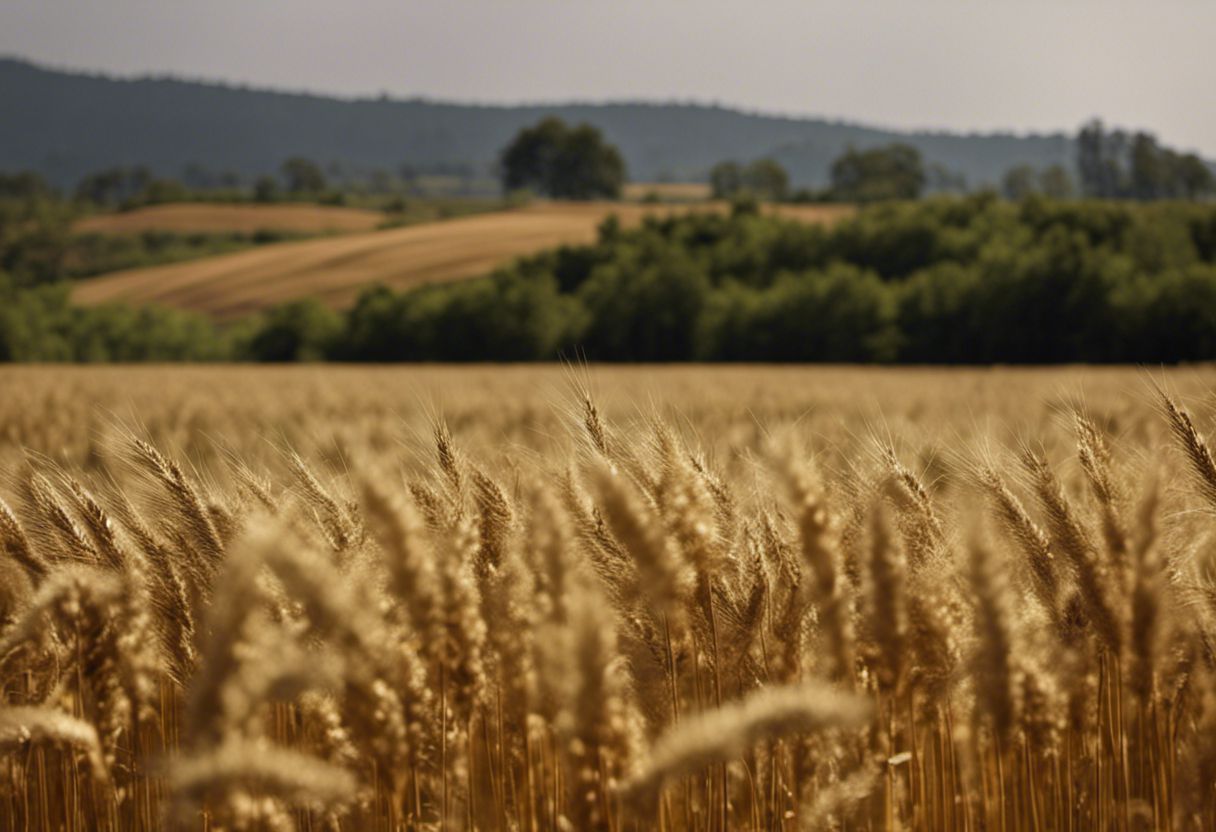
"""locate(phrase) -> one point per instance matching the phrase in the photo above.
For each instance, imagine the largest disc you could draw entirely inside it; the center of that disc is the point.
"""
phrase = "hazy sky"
(958, 64)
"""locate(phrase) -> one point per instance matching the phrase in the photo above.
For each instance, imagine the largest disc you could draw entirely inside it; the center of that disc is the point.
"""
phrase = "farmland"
(243, 218)
(667, 191)
(538, 597)
(336, 269)
(607, 417)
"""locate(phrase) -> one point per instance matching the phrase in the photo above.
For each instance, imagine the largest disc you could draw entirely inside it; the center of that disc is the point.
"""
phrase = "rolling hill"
(336, 269)
(67, 124)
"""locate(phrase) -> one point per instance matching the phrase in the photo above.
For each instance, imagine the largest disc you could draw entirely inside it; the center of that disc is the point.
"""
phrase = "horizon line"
(385, 96)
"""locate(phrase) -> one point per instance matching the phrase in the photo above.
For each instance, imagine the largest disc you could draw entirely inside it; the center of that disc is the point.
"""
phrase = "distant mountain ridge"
(67, 124)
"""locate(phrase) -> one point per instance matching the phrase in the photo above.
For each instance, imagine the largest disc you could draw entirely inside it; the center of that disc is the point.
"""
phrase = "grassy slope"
(336, 269)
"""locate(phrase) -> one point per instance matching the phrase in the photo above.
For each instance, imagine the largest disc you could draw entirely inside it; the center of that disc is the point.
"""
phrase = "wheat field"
(674, 598)
(337, 269)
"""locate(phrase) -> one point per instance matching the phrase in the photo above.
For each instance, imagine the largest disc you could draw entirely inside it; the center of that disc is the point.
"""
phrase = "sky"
(982, 65)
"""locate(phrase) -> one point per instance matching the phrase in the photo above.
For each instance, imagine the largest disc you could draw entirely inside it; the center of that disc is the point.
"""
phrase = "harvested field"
(668, 191)
(187, 218)
(337, 269)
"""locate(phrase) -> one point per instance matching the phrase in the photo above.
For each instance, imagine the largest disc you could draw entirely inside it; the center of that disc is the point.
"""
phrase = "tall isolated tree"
(562, 162)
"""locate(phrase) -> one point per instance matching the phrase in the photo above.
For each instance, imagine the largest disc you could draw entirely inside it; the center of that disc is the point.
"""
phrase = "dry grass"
(337, 269)
(187, 218)
(624, 599)
(668, 191)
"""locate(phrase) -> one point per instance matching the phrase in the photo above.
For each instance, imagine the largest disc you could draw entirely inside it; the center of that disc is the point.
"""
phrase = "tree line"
(1110, 165)
(942, 280)
(562, 161)
(975, 280)
(1115, 164)
(298, 179)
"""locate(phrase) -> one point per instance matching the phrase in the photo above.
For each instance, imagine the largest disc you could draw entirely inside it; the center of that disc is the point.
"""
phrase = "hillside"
(67, 124)
(336, 269)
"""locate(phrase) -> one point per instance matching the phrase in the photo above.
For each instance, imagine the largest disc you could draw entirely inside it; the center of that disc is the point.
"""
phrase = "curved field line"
(337, 269)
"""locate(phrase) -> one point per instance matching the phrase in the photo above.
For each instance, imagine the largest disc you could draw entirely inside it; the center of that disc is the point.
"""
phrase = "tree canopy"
(1022, 181)
(303, 176)
(1114, 164)
(976, 279)
(563, 162)
(894, 171)
(763, 178)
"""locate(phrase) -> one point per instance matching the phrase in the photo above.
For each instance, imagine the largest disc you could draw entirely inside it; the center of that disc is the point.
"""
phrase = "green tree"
(726, 179)
(1158, 172)
(1056, 182)
(841, 314)
(881, 173)
(160, 191)
(936, 307)
(113, 186)
(265, 189)
(303, 176)
(767, 179)
(1150, 168)
(939, 179)
(1195, 178)
(1023, 181)
(762, 179)
(562, 162)
(23, 185)
(528, 161)
(644, 311)
(1174, 316)
(587, 167)
(1020, 182)
(300, 331)
(1100, 156)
